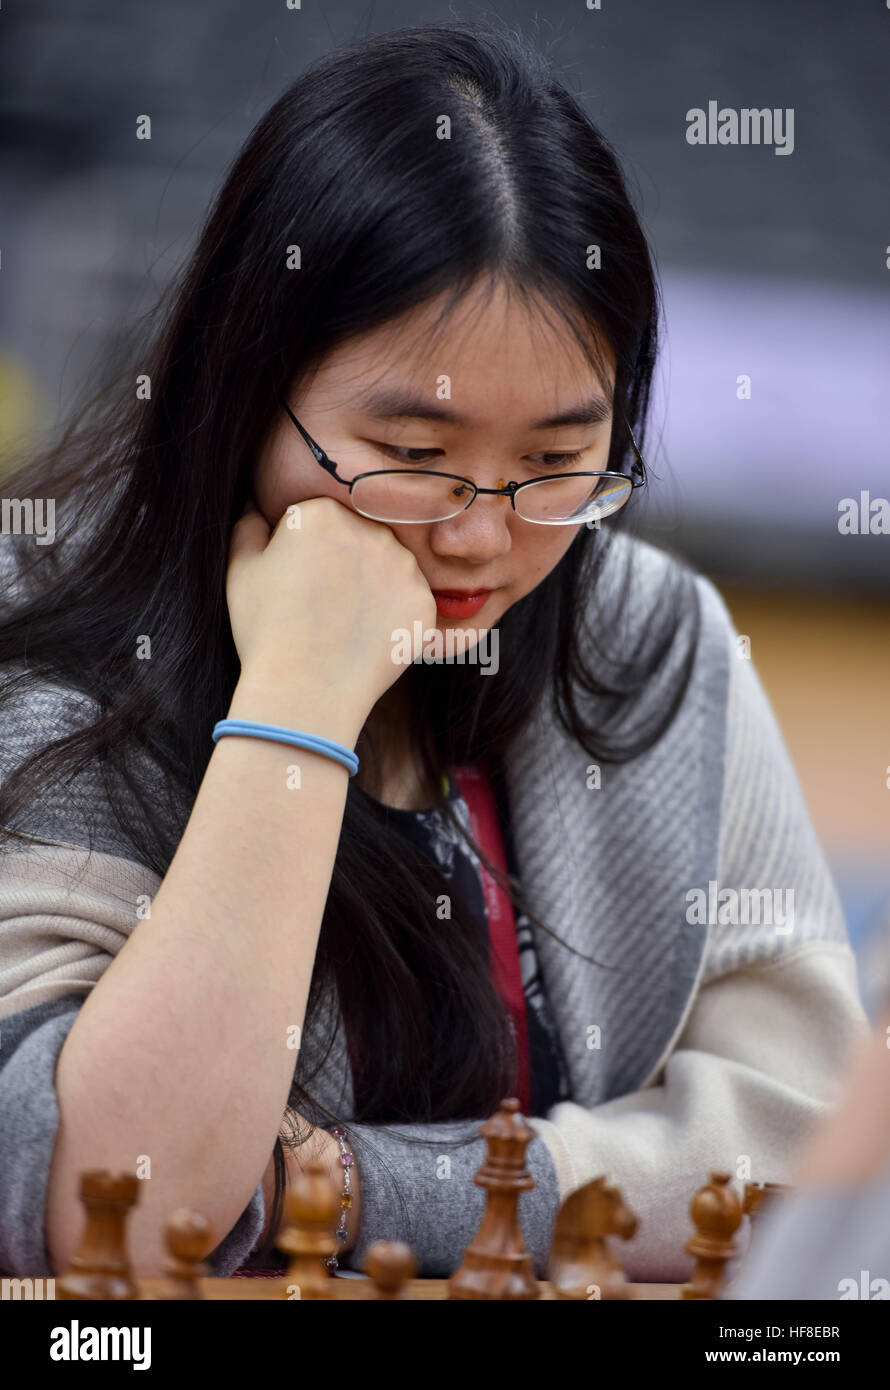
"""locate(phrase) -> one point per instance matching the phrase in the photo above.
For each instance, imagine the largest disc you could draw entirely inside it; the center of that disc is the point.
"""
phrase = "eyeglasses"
(407, 497)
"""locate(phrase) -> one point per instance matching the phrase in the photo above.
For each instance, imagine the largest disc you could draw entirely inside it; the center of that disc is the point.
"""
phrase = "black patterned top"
(431, 832)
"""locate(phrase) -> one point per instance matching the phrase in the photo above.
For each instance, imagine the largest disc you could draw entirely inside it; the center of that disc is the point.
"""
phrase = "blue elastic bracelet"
(277, 734)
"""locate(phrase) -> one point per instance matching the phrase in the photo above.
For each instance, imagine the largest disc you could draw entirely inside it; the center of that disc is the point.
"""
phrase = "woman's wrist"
(347, 1188)
(303, 710)
(323, 1145)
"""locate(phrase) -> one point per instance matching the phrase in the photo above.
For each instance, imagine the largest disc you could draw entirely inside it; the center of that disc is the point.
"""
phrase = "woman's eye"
(408, 455)
(558, 460)
(404, 455)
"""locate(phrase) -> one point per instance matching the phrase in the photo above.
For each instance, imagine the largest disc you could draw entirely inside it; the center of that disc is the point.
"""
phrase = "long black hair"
(347, 165)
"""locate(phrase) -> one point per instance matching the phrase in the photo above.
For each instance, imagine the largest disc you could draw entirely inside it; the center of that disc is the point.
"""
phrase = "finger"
(250, 533)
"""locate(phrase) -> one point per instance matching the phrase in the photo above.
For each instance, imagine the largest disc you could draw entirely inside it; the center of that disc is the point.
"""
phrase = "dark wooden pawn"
(717, 1214)
(390, 1264)
(188, 1238)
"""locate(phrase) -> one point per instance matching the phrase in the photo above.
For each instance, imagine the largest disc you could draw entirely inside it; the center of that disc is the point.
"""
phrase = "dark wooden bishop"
(496, 1263)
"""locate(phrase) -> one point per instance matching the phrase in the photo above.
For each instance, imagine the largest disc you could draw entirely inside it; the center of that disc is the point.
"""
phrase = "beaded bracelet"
(347, 1158)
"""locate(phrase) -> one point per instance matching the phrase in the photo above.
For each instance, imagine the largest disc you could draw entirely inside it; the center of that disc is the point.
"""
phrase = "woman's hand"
(314, 607)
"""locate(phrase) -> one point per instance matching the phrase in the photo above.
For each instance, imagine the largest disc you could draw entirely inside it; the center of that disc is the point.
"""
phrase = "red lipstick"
(460, 603)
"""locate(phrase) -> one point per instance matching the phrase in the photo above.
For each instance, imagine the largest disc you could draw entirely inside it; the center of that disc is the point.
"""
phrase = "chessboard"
(584, 1259)
(268, 1290)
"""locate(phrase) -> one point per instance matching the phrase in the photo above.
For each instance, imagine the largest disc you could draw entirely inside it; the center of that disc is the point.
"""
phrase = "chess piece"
(496, 1263)
(390, 1265)
(583, 1264)
(100, 1267)
(312, 1210)
(757, 1196)
(717, 1214)
(189, 1238)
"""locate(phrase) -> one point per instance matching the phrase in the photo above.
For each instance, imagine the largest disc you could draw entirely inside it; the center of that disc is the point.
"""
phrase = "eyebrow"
(398, 404)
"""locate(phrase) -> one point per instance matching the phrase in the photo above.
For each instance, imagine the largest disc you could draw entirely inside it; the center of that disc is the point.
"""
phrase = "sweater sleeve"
(417, 1186)
(761, 1050)
(64, 915)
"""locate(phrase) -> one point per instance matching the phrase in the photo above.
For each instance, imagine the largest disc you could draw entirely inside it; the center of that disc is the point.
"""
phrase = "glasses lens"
(555, 501)
(408, 497)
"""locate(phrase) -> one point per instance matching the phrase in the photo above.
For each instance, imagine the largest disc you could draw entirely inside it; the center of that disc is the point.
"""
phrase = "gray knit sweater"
(715, 1038)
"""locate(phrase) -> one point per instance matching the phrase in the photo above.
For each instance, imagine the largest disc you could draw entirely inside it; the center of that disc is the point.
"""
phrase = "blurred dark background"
(773, 267)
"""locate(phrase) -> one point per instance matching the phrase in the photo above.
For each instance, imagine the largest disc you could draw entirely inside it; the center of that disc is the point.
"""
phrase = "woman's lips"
(460, 603)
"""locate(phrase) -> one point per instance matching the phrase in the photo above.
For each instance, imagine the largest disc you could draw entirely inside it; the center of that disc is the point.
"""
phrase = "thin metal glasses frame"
(638, 468)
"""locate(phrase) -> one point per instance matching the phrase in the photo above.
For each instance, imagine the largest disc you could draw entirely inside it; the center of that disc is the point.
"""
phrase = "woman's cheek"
(279, 488)
(542, 556)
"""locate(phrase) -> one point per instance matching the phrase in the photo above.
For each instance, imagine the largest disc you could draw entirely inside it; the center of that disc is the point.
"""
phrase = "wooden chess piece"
(759, 1195)
(583, 1264)
(312, 1209)
(100, 1267)
(390, 1265)
(188, 1238)
(496, 1263)
(717, 1214)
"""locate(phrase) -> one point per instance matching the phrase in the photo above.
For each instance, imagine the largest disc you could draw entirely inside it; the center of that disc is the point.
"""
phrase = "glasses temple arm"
(318, 453)
(639, 465)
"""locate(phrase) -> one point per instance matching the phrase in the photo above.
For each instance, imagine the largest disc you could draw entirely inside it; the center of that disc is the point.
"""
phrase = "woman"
(423, 262)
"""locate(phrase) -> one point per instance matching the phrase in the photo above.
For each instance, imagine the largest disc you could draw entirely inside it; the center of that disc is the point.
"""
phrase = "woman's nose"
(480, 532)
